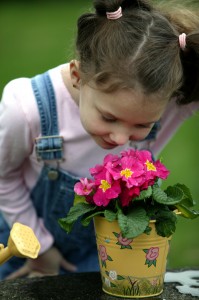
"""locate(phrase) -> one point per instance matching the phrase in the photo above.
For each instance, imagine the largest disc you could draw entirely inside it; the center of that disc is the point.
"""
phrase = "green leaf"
(128, 247)
(119, 277)
(74, 213)
(171, 196)
(66, 226)
(113, 285)
(134, 223)
(116, 235)
(148, 230)
(187, 197)
(110, 215)
(109, 258)
(88, 217)
(187, 212)
(79, 199)
(144, 194)
(165, 223)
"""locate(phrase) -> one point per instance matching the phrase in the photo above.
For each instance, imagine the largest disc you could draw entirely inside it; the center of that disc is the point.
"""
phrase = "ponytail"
(104, 6)
(185, 19)
(190, 63)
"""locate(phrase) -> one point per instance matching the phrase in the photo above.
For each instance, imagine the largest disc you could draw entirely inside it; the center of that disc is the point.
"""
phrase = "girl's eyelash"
(107, 119)
(144, 126)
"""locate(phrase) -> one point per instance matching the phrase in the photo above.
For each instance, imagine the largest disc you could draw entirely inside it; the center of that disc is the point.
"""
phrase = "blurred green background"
(38, 35)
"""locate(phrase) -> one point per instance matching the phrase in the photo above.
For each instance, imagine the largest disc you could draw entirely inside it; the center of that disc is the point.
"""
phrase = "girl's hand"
(47, 263)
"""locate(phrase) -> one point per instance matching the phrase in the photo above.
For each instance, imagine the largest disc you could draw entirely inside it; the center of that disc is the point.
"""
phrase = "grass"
(38, 35)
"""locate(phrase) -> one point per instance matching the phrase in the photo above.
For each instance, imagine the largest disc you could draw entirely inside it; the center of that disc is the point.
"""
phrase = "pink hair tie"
(115, 14)
(182, 41)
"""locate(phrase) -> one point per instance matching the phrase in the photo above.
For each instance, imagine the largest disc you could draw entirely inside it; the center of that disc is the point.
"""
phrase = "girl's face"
(112, 119)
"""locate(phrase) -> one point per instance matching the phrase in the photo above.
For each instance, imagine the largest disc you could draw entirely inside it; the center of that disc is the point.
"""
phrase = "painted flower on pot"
(122, 241)
(113, 274)
(126, 188)
(103, 255)
(151, 256)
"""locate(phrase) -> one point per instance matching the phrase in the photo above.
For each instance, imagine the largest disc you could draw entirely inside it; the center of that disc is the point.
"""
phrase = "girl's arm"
(174, 116)
(16, 145)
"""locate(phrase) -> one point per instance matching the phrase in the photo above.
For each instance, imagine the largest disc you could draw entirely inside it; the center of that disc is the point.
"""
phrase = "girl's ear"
(74, 74)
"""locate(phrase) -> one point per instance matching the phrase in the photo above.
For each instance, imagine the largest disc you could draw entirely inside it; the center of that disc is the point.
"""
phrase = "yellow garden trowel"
(22, 242)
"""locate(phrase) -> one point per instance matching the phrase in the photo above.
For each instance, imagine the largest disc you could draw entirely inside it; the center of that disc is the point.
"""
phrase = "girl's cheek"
(139, 136)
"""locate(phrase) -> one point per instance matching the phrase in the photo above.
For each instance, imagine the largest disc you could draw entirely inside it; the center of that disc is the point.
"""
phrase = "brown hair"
(140, 49)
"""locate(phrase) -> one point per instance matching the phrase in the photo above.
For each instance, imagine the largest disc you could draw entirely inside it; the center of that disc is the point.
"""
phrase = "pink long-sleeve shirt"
(20, 125)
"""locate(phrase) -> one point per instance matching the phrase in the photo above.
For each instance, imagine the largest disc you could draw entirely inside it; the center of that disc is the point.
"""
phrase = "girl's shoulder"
(18, 96)
(181, 111)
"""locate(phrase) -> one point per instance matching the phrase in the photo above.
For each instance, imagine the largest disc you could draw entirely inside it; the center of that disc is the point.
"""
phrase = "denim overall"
(53, 194)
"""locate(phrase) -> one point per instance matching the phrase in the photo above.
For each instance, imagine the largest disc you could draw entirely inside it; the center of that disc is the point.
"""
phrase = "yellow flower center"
(150, 166)
(126, 173)
(104, 185)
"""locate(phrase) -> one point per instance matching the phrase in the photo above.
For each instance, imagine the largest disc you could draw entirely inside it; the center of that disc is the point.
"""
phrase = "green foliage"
(133, 223)
(75, 212)
(153, 203)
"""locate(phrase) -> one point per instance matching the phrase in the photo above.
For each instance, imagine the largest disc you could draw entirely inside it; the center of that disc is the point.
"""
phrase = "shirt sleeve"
(16, 144)
(174, 116)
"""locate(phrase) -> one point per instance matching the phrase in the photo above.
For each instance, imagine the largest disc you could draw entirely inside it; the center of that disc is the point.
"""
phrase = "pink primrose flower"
(106, 191)
(150, 170)
(153, 169)
(146, 183)
(104, 174)
(122, 177)
(129, 152)
(111, 160)
(96, 170)
(162, 171)
(144, 155)
(131, 171)
(127, 194)
(84, 187)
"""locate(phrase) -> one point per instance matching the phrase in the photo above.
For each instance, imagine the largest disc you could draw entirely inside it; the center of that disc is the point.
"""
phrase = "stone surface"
(84, 286)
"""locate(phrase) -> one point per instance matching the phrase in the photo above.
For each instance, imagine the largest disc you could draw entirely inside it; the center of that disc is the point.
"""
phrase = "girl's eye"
(145, 126)
(108, 119)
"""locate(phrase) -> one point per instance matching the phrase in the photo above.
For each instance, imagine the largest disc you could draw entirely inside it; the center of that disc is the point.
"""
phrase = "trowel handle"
(5, 255)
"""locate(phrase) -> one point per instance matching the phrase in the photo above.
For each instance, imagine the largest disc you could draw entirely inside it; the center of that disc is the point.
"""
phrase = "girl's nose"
(119, 138)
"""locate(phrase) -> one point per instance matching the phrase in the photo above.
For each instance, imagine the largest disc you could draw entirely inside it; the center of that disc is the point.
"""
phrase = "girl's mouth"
(113, 145)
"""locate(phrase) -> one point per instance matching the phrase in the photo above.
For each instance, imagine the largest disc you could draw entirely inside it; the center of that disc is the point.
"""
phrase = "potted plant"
(133, 217)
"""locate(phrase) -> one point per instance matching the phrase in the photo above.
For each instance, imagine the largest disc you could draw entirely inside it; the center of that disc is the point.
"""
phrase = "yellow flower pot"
(130, 268)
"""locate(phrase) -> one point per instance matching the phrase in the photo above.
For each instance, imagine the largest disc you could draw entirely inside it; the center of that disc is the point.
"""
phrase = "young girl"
(134, 82)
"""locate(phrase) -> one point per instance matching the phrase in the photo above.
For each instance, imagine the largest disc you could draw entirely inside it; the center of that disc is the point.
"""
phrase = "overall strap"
(50, 145)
